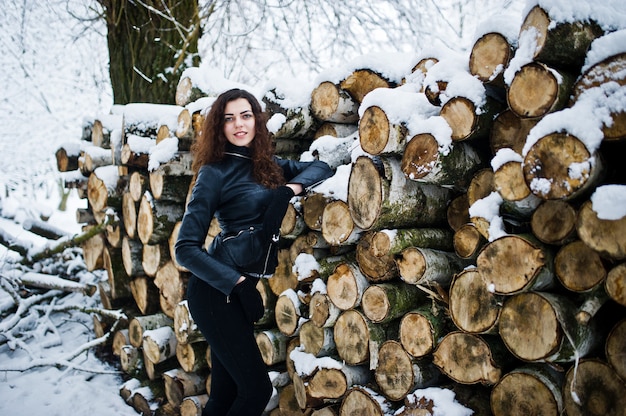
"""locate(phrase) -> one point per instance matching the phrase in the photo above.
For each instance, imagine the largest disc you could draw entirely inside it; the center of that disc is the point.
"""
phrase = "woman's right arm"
(189, 249)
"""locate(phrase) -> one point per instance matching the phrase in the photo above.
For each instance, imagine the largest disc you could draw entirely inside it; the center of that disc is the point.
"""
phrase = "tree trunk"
(363, 401)
(473, 308)
(143, 41)
(566, 173)
(398, 374)
(535, 390)
(378, 135)
(554, 222)
(357, 338)
(516, 263)
(317, 340)
(470, 358)
(427, 266)
(172, 284)
(468, 122)
(468, 241)
(166, 187)
(593, 388)
(322, 311)
(131, 361)
(558, 42)
(607, 237)
(329, 102)
(338, 228)
(327, 385)
(615, 284)
(273, 346)
(362, 81)
(377, 250)
(159, 344)
(489, 57)
(422, 328)
(538, 89)
(578, 267)
(509, 131)
(180, 384)
(423, 161)
(142, 323)
(145, 294)
(156, 219)
(379, 196)
(614, 348)
(385, 302)
(131, 256)
(185, 327)
(345, 286)
(553, 335)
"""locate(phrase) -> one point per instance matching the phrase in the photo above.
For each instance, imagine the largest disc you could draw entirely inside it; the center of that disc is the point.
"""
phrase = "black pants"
(240, 384)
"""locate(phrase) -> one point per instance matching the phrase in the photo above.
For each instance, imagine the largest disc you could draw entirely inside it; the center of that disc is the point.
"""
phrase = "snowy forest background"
(55, 76)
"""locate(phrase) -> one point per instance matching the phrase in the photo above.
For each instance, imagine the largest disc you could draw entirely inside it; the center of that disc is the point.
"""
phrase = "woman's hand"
(296, 188)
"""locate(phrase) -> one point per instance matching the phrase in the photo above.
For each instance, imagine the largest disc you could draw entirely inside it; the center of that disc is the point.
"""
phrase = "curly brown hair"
(210, 144)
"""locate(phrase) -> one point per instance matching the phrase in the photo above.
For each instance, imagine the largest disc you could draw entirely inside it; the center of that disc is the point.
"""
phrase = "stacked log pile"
(457, 245)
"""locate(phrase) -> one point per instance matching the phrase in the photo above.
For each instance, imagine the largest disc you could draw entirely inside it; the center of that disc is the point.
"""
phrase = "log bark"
(615, 284)
(424, 266)
(312, 209)
(578, 267)
(273, 346)
(159, 344)
(362, 81)
(172, 188)
(538, 89)
(468, 241)
(317, 340)
(516, 263)
(528, 390)
(120, 339)
(154, 257)
(466, 120)
(299, 122)
(361, 400)
(473, 308)
(564, 174)
(560, 43)
(93, 157)
(172, 284)
(554, 335)
(357, 338)
(470, 358)
(101, 194)
(131, 361)
(330, 102)
(130, 157)
(346, 285)
(269, 303)
(422, 328)
(338, 228)
(380, 196)
(509, 131)
(614, 348)
(490, 54)
(385, 302)
(283, 278)
(145, 294)
(378, 135)
(458, 212)
(327, 385)
(156, 219)
(185, 328)
(131, 256)
(398, 374)
(138, 325)
(119, 281)
(180, 384)
(593, 388)
(329, 128)
(423, 161)
(607, 237)
(293, 223)
(322, 311)
(610, 69)
(554, 222)
(376, 251)
(67, 160)
(93, 249)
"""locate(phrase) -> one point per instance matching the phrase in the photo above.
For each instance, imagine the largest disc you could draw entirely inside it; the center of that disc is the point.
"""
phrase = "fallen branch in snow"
(71, 242)
(45, 281)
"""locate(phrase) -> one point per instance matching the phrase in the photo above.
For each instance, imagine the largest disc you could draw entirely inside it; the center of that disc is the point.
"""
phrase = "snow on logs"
(472, 238)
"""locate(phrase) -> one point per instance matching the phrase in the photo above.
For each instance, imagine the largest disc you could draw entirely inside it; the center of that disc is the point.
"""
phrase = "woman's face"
(239, 122)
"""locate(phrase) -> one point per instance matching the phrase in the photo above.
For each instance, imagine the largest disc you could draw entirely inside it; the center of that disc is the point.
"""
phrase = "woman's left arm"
(304, 174)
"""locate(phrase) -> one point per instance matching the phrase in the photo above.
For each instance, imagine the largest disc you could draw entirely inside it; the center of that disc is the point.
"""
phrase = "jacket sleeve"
(193, 231)
(307, 174)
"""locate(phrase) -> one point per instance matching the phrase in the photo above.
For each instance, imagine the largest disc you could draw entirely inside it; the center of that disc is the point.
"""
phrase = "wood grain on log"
(141, 323)
(159, 344)
(578, 267)
(362, 81)
(385, 302)
(466, 120)
(607, 237)
(426, 266)
(355, 336)
(145, 294)
(593, 388)
(554, 222)
(489, 57)
(615, 284)
(422, 328)
(510, 131)
(329, 102)
(473, 307)
(345, 286)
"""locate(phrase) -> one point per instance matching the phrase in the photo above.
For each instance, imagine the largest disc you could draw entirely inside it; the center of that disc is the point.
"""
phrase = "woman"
(247, 188)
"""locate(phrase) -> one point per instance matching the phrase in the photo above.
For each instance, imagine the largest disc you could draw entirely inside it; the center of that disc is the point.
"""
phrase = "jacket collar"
(239, 151)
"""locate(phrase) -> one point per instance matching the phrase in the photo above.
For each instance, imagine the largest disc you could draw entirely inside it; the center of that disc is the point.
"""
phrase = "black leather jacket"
(228, 191)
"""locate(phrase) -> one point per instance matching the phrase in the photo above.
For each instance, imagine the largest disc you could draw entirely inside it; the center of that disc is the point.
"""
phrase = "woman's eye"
(228, 119)
(247, 116)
